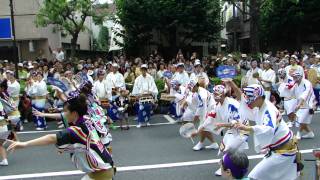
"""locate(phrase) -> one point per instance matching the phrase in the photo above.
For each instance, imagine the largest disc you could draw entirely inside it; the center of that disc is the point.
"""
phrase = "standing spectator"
(267, 78)
(253, 74)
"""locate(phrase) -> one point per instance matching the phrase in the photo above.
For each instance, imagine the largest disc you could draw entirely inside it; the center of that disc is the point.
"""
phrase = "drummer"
(100, 88)
(144, 85)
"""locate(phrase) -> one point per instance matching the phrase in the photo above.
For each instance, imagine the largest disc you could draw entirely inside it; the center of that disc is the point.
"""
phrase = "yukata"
(141, 86)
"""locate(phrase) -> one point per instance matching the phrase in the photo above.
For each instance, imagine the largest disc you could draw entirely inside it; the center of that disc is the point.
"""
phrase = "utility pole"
(14, 43)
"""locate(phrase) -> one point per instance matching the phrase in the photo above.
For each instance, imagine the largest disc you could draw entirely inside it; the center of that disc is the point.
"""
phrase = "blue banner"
(5, 28)
(224, 72)
(57, 83)
(167, 74)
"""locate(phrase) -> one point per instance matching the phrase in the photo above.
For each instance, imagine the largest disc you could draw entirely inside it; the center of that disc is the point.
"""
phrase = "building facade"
(32, 41)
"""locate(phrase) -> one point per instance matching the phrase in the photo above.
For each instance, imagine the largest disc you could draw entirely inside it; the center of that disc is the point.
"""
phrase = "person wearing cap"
(99, 87)
(114, 79)
(234, 165)
(37, 90)
(181, 75)
(144, 84)
(23, 74)
(305, 105)
(198, 73)
(293, 67)
(267, 78)
(270, 133)
(244, 64)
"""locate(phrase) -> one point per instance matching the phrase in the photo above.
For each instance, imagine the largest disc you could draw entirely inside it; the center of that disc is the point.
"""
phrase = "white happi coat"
(182, 78)
(180, 95)
(227, 112)
(270, 131)
(114, 80)
(195, 106)
(286, 91)
(144, 85)
(195, 77)
(304, 91)
(101, 91)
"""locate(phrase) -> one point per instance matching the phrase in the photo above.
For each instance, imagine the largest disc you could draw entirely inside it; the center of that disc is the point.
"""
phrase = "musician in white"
(99, 87)
(286, 91)
(144, 84)
(37, 90)
(253, 74)
(270, 133)
(181, 75)
(114, 79)
(267, 78)
(306, 104)
(198, 73)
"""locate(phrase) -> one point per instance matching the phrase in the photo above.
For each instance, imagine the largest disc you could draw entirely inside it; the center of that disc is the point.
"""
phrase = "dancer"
(80, 140)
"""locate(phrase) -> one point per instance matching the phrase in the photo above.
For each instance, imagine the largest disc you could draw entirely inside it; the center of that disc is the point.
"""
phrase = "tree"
(254, 7)
(103, 39)
(174, 22)
(284, 23)
(69, 16)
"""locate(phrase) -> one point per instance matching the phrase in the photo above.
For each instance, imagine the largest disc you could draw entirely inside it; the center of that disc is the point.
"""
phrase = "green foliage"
(178, 23)
(103, 39)
(160, 84)
(217, 81)
(284, 22)
(68, 15)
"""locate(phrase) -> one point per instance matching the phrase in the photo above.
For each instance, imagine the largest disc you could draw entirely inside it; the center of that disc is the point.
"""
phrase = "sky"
(104, 1)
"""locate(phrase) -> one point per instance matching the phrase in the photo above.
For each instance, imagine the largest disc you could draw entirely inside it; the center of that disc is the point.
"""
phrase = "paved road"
(153, 153)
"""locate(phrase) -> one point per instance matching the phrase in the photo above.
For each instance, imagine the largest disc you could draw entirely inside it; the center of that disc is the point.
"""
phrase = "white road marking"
(130, 168)
(57, 130)
(170, 119)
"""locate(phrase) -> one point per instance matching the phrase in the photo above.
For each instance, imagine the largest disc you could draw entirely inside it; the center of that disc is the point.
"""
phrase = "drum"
(313, 76)
(167, 97)
(146, 98)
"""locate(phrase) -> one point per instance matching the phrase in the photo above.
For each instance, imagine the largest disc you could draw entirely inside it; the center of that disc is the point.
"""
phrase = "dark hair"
(4, 84)
(77, 104)
(240, 160)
